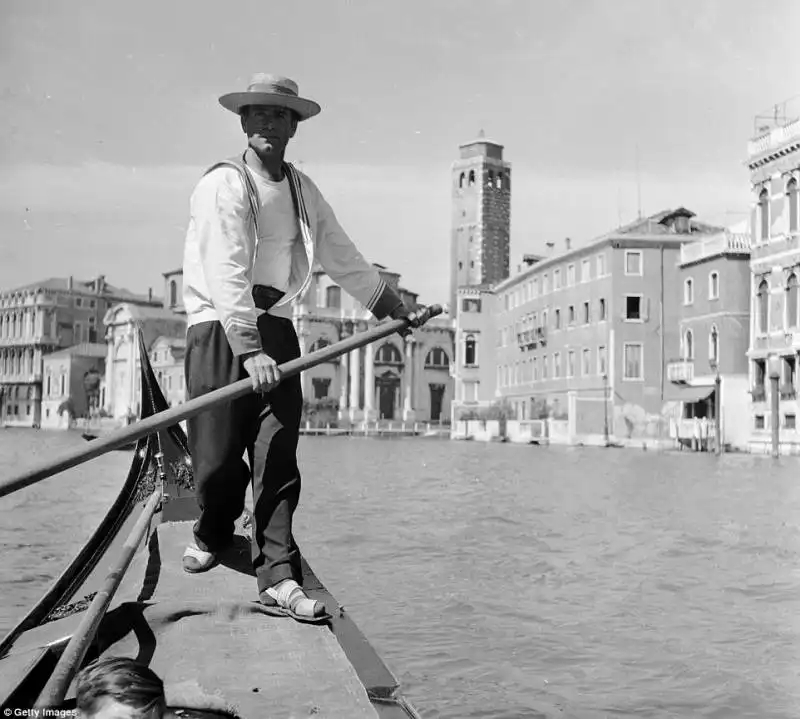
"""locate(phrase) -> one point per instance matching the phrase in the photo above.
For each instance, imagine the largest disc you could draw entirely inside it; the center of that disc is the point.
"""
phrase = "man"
(257, 228)
(119, 688)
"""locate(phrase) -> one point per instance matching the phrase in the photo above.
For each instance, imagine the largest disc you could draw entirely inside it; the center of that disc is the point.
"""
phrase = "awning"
(690, 393)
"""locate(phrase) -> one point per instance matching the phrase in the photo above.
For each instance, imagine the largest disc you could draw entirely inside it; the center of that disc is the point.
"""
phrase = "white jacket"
(220, 247)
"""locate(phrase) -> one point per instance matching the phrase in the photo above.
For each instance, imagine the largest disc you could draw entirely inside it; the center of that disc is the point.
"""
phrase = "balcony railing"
(774, 138)
(681, 371)
(721, 244)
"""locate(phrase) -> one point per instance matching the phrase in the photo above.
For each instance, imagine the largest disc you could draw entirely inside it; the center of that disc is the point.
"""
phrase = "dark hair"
(122, 679)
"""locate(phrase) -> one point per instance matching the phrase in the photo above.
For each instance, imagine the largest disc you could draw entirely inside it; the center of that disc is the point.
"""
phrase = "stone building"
(41, 318)
(774, 164)
(714, 295)
(584, 335)
(390, 380)
(481, 217)
(70, 377)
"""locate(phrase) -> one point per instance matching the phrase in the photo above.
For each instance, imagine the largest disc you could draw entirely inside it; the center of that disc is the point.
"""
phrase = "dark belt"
(265, 296)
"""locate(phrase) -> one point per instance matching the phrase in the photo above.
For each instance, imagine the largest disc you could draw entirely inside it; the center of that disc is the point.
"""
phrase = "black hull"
(41, 635)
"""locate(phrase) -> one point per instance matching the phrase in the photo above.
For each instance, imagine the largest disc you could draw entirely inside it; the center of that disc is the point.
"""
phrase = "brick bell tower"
(481, 235)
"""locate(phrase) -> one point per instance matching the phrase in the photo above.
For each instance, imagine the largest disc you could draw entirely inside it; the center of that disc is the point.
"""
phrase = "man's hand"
(263, 370)
(415, 319)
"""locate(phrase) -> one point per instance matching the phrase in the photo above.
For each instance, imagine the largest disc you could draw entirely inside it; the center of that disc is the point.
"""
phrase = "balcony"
(725, 243)
(774, 138)
(680, 371)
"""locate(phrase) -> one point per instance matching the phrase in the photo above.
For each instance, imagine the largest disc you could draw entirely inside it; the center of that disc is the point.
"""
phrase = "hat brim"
(235, 101)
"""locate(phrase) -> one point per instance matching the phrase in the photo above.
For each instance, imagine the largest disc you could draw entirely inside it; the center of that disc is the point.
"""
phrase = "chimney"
(550, 246)
(69, 283)
(100, 284)
(568, 243)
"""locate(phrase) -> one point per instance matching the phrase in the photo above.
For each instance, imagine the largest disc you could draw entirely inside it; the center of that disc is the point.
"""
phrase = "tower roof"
(481, 146)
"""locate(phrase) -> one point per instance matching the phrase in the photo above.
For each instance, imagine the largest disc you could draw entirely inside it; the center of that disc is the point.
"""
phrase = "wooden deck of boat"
(215, 647)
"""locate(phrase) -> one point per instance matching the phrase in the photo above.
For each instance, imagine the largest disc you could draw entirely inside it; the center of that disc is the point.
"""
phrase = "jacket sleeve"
(221, 214)
(346, 266)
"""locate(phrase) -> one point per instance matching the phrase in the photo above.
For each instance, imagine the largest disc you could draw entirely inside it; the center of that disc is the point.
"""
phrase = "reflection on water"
(514, 581)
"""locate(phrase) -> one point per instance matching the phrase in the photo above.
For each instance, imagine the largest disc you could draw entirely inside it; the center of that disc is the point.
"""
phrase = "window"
(713, 286)
(633, 307)
(545, 284)
(63, 384)
(602, 360)
(713, 344)
(571, 314)
(791, 301)
(586, 362)
(437, 359)
(602, 310)
(586, 271)
(571, 363)
(570, 275)
(470, 351)
(387, 354)
(556, 365)
(471, 178)
(633, 262)
(79, 302)
(762, 300)
(470, 305)
(545, 367)
(558, 319)
(333, 297)
(790, 421)
(461, 180)
(535, 369)
(688, 291)
(791, 198)
(632, 361)
(763, 215)
(556, 279)
(587, 314)
(759, 421)
(92, 304)
(601, 265)
(688, 345)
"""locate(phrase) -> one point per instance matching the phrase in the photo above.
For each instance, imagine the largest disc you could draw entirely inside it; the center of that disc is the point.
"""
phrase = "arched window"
(461, 180)
(490, 180)
(713, 285)
(470, 350)
(173, 293)
(791, 196)
(688, 291)
(688, 345)
(333, 297)
(499, 180)
(763, 307)
(471, 178)
(388, 354)
(763, 214)
(713, 344)
(319, 344)
(437, 359)
(791, 301)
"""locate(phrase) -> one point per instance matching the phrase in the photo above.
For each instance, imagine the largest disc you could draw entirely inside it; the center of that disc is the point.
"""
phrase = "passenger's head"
(119, 688)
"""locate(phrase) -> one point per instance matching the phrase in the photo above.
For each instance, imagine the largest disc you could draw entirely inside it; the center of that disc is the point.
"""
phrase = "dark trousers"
(264, 426)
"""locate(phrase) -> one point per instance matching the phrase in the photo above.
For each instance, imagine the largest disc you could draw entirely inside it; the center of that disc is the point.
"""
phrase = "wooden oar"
(172, 416)
(75, 651)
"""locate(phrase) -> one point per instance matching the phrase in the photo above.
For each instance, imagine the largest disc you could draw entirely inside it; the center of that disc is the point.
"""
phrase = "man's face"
(268, 128)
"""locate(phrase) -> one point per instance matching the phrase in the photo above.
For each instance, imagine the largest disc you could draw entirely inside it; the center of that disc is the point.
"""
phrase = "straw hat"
(265, 89)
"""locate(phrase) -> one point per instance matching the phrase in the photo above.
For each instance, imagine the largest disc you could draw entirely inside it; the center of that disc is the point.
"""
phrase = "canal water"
(506, 582)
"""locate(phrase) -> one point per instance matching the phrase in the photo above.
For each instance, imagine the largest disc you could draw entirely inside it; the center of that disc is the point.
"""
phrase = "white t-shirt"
(278, 231)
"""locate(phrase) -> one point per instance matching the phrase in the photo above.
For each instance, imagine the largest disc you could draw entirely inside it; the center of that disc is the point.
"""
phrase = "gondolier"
(257, 228)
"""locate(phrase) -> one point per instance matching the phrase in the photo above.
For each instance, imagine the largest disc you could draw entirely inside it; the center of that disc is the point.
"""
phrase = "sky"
(109, 114)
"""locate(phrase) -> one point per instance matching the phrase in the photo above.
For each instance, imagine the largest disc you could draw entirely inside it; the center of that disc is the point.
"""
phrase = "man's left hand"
(417, 318)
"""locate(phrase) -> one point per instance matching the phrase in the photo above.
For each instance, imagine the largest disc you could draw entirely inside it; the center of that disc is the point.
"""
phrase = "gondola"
(218, 652)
